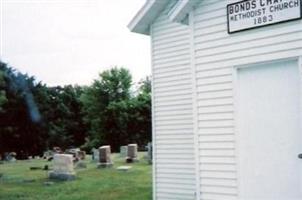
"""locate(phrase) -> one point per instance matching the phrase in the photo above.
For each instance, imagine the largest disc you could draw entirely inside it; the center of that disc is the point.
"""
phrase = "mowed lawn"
(18, 182)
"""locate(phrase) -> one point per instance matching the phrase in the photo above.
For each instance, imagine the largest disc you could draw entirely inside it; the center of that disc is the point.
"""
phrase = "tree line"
(35, 117)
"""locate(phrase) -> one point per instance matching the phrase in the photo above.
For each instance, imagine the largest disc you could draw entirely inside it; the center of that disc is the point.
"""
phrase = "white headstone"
(123, 151)
(95, 155)
(63, 168)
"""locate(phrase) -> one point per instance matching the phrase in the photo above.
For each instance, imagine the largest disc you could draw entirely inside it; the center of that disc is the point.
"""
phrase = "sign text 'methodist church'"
(254, 13)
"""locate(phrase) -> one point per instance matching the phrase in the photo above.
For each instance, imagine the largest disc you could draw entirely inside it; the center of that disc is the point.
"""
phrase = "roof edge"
(152, 8)
(181, 9)
(146, 15)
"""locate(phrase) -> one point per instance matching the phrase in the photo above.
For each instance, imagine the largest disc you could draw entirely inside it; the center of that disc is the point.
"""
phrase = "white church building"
(227, 101)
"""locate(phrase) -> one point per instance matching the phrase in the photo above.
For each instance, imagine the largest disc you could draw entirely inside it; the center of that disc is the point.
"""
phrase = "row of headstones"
(124, 152)
(129, 152)
(103, 154)
(63, 168)
(11, 157)
(76, 153)
(63, 164)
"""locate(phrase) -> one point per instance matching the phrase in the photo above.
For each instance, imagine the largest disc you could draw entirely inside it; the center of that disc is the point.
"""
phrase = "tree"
(113, 86)
(3, 98)
(129, 120)
(35, 117)
(145, 86)
(145, 110)
(140, 122)
(62, 115)
(20, 128)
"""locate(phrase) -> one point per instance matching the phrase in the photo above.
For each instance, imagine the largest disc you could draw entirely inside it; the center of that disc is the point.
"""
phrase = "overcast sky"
(71, 41)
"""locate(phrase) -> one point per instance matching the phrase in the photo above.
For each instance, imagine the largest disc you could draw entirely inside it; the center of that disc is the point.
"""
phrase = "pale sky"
(71, 41)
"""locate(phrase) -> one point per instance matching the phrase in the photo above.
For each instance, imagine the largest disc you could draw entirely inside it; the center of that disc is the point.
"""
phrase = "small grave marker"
(124, 168)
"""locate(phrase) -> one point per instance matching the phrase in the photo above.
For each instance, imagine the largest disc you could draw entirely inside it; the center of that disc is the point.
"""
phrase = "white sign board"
(250, 14)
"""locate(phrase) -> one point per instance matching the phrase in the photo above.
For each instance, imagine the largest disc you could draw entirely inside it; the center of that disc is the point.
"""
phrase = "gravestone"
(95, 154)
(105, 157)
(149, 154)
(123, 168)
(47, 154)
(81, 165)
(123, 151)
(132, 155)
(63, 168)
(57, 150)
(73, 151)
(81, 155)
(11, 157)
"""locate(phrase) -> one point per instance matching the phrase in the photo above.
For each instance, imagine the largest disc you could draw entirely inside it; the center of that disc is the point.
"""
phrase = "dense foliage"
(116, 116)
(2, 91)
(35, 117)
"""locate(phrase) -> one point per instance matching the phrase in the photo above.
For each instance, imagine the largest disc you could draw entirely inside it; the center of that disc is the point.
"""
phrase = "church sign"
(250, 14)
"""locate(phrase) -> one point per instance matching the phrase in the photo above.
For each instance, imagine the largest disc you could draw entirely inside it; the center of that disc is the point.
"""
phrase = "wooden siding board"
(261, 49)
(174, 159)
(224, 40)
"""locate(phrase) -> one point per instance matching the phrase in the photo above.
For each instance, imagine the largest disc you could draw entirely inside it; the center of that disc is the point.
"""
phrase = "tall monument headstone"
(132, 155)
(105, 157)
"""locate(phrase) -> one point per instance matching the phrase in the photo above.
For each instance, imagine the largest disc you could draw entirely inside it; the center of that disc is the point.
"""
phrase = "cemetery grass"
(18, 182)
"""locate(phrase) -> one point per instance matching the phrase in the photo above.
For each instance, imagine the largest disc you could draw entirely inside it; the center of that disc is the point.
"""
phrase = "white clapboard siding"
(172, 111)
(215, 54)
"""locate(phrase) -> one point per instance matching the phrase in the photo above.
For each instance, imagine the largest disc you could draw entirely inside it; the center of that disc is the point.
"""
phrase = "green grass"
(20, 183)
